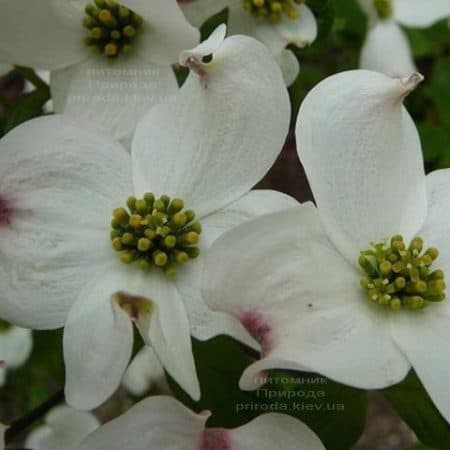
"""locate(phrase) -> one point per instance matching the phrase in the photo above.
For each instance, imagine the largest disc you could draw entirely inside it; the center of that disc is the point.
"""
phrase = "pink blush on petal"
(258, 328)
(215, 439)
(6, 211)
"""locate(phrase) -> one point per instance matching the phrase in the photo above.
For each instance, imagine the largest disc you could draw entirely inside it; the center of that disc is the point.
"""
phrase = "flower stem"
(28, 419)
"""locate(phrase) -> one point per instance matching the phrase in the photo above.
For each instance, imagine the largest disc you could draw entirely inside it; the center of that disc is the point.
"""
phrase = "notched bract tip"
(411, 82)
(201, 57)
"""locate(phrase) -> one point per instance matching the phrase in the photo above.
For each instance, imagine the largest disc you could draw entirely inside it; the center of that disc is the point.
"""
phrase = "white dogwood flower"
(68, 264)
(15, 347)
(276, 23)
(296, 285)
(110, 60)
(386, 48)
(165, 424)
(63, 428)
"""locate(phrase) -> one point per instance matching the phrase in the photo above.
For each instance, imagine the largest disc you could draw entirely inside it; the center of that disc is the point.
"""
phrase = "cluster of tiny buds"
(383, 8)
(401, 277)
(273, 10)
(155, 233)
(112, 27)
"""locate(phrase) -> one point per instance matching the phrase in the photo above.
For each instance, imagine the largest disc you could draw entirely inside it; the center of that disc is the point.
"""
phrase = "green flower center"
(401, 277)
(4, 326)
(383, 8)
(112, 27)
(155, 233)
(273, 10)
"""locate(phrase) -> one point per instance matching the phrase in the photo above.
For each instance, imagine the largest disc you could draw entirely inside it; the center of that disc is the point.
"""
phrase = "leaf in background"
(213, 22)
(440, 88)
(435, 143)
(421, 447)
(415, 407)
(220, 363)
(324, 12)
(27, 107)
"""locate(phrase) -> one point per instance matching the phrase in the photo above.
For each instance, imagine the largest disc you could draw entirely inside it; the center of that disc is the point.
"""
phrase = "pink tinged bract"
(165, 424)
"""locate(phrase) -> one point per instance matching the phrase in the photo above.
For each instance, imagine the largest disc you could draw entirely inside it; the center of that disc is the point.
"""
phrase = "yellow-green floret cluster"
(155, 233)
(273, 10)
(112, 27)
(400, 277)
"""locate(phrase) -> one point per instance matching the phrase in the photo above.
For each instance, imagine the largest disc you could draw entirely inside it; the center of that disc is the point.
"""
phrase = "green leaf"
(420, 446)
(213, 22)
(435, 141)
(27, 107)
(327, 407)
(220, 363)
(440, 88)
(324, 12)
(413, 404)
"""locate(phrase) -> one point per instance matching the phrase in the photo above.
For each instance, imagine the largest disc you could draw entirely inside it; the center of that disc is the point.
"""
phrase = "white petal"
(274, 431)
(363, 158)
(386, 49)
(423, 337)
(163, 423)
(169, 334)
(416, 13)
(300, 32)
(167, 32)
(153, 303)
(112, 95)
(198, 11)
(15, 346)
(209, 151)
(206, 323)
(64, 428)
(98, 339)
(64, 180)
(302, 301)
(156, 422)
(23, 40)
(143, 373)
(435, 230)
(289, 65)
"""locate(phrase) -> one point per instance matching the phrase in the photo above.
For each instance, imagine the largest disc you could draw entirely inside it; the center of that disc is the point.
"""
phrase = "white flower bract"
(60, 183)
(16, 345)
(165, 424)
(298, 290)
(63, 428)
